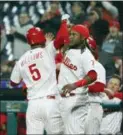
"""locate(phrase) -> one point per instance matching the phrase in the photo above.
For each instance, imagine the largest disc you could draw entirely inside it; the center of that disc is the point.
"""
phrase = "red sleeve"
(59, 58)
(92, 76)
(62, 36)
(96, 87)
(119, 95)
(13, 84)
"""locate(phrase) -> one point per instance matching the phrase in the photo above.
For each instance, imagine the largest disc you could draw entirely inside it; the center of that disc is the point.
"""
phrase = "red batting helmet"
(83, 30)
(93, 46)
(35, 36)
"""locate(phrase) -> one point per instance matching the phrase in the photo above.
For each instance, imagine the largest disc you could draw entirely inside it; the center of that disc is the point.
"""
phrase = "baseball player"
(95, 112)
(38, 71)
(111, 121)
(77, 71)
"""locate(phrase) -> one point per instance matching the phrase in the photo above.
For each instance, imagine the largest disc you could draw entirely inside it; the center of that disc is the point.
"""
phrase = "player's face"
(113, 84)
(75, 38)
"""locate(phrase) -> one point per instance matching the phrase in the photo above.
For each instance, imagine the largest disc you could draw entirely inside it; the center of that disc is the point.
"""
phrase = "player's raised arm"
(62, 36)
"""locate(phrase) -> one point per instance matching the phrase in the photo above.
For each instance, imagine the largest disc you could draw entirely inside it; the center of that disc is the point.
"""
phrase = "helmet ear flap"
(91, 44)
(35, 36)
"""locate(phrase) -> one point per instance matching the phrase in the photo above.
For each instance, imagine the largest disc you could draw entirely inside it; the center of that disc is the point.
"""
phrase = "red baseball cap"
(115, 24)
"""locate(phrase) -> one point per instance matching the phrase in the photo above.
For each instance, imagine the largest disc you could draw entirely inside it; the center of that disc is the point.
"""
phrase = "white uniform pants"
(44, 113)
(111, 123)
(94, 118)
(74, 110)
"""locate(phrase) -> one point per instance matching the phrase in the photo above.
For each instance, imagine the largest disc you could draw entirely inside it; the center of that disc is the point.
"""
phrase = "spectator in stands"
(78, 13)
(91, 6)
(113, 41)
(110, 12)
(98, 26)
(114, 87)
(20, 45)
(100, 14)
(51, 19)
(2, 38)
(94, 15)
(3, 41)
(112, 119)
(111, 51)
(6, 69)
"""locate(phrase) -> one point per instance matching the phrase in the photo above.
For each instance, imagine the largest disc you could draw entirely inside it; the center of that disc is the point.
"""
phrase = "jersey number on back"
(34, 72)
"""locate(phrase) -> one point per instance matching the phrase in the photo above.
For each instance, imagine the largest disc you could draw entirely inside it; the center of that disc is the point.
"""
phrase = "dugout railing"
(10, 108)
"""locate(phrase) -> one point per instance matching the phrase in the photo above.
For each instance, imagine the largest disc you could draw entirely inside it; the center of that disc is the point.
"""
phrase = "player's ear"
(82, 38)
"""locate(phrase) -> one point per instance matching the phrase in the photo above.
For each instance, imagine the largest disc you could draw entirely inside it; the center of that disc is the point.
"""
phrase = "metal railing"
(10, 108)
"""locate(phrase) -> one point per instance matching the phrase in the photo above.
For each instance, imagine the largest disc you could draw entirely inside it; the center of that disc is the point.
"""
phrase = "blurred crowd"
(102, 18)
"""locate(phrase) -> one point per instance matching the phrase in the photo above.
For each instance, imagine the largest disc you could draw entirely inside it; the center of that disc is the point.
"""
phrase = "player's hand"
(66, 17)
(109, 92)
(49, 37)
(68, 88)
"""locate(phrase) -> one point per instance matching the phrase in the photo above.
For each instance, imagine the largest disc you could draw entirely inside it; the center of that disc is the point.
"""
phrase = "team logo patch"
(68, 63)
